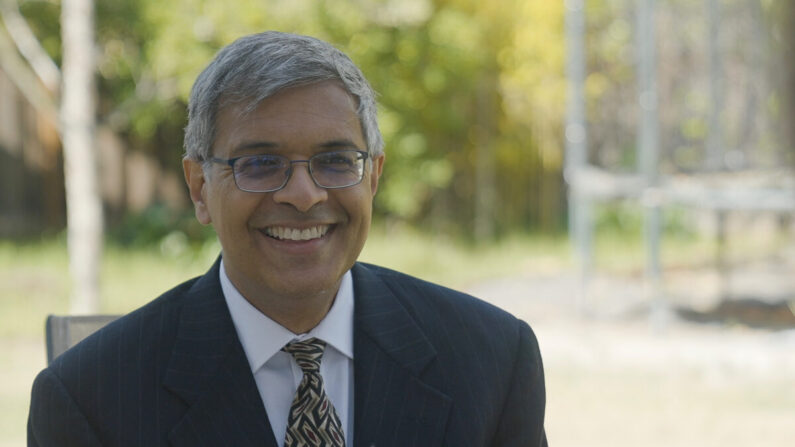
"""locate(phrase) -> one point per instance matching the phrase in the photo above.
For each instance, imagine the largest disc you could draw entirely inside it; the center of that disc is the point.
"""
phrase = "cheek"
(361, 212)
(230, 212)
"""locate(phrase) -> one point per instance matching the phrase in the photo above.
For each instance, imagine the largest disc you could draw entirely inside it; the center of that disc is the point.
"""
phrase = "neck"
(298, 306)
(298, 315)
(299, 311)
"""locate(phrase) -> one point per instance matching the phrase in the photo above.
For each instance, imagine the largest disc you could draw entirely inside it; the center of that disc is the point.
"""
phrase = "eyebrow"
(253, 145)
(332, 144)
(336, 144)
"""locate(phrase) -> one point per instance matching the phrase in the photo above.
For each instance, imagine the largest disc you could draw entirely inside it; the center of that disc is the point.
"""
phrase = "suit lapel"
(209, 371)
(392, 404)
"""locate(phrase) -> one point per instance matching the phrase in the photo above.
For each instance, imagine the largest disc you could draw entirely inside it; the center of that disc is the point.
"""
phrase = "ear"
(197, 182)
(375, 172)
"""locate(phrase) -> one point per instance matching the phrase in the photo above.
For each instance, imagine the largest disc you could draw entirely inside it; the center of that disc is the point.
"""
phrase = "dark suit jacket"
(432, 367)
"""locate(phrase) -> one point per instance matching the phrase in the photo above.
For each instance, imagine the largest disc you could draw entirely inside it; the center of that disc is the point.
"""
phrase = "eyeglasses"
(268, 173)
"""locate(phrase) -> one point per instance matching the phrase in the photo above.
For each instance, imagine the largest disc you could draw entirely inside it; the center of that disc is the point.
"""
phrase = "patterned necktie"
(312, 420)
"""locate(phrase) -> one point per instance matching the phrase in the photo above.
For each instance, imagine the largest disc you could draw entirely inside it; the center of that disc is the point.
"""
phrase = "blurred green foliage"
(456, 79)
(626, 219)
(160, 225)
(453, 76)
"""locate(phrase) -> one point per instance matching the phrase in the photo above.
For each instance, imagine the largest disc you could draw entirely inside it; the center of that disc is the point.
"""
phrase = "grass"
(34, 281)
(456, 264)
(664, 409)
(34, 277)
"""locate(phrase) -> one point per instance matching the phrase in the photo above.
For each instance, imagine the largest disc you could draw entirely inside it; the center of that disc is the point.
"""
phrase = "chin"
(307, 283)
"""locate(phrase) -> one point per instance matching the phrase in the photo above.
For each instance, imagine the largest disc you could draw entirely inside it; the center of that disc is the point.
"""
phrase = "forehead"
(297, 118)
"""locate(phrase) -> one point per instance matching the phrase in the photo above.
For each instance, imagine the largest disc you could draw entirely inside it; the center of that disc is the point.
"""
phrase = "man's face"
(261, 255)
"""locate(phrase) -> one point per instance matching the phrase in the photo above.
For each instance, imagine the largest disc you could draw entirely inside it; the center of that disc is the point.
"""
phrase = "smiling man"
(287, 340)
(288, 227)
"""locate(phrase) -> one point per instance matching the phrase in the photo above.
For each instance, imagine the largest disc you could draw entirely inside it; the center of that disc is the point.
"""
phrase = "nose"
(300, 191)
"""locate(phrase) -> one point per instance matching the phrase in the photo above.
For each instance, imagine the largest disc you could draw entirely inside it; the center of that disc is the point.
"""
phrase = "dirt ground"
(617, 373)
(623, 372)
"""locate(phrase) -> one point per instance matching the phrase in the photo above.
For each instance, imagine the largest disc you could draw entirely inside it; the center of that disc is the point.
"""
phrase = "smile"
(296, 234)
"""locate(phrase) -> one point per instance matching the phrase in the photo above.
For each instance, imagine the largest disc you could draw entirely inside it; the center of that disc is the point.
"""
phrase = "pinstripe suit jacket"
(433, 367)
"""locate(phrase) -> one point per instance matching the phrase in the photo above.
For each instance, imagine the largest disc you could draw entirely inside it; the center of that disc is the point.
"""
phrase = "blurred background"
(618, 173)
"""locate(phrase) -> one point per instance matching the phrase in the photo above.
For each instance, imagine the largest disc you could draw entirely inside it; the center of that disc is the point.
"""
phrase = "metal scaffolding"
(710, 189)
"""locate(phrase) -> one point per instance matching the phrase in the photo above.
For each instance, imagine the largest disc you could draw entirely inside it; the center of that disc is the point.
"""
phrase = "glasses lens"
(338, 169)
(260, 173)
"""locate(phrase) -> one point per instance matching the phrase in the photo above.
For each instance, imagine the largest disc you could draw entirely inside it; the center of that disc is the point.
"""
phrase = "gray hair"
(258, 66)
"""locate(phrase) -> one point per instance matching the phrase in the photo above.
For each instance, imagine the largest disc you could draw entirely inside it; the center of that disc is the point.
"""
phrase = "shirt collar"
(262, 337)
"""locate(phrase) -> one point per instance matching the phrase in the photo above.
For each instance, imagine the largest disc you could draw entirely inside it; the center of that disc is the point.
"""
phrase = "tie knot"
(307, 353)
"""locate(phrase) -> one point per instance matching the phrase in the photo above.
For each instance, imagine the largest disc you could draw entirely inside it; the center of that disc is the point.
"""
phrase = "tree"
(76, 127)
(83, 202)
(789, 26)
(471, 93)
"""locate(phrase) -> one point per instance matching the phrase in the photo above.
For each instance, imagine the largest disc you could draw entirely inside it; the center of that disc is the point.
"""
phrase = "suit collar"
(393, 404)
(208, 370)
(381, 317)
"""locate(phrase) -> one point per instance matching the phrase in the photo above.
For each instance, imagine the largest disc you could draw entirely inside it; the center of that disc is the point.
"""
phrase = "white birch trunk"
(83, 202)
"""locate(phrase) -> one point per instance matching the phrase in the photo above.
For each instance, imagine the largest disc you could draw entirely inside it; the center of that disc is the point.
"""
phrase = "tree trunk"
(789, 38)
(485, 166)
(83, 203)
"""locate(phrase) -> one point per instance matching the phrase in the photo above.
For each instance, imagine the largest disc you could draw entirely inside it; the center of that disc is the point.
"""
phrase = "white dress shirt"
(277, 374)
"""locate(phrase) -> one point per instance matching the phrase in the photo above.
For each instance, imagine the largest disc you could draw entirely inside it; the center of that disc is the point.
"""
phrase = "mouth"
(297, 234)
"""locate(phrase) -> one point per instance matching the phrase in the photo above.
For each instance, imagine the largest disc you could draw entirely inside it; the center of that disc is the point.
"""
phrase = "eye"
(337, 160)
(260, 160)
(259, 165)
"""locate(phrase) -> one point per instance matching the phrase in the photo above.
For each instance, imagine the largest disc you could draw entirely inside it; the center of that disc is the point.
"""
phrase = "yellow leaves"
(412, 145)
(398, 12)
(453, 30)
(434, 79)
(694, 128)
(443, 68)
(370, 41)
(408, 51)
(532, 78)
(596, 84)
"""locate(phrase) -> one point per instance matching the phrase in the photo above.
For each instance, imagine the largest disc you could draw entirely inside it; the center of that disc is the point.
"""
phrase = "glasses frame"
(231, 163)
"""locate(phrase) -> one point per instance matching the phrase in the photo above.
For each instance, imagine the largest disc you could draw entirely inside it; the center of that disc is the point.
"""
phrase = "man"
(287, 340)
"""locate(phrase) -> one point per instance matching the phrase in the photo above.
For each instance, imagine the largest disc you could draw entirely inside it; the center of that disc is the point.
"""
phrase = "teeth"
(295, 234)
